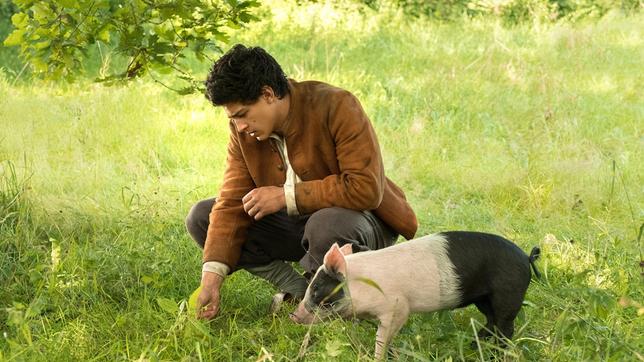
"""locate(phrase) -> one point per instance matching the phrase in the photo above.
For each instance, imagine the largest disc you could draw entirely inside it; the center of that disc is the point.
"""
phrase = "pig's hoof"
(483, 340)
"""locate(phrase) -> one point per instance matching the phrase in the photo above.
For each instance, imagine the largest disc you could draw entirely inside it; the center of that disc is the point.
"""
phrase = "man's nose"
(241, 125)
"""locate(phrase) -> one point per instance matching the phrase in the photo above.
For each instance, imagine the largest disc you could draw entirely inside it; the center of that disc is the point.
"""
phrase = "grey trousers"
(304, 239)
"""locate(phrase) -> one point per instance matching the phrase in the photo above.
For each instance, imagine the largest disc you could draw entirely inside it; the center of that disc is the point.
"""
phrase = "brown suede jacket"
(331, 146)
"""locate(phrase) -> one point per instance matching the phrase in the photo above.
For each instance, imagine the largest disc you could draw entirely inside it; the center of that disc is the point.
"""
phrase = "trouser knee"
(333, 225)
(324, 228)
(197, 221)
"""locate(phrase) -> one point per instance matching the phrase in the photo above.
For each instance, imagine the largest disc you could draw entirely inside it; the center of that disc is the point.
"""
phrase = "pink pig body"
(439, 271)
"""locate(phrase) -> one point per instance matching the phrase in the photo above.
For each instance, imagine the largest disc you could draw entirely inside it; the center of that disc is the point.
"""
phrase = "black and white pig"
(440, 271)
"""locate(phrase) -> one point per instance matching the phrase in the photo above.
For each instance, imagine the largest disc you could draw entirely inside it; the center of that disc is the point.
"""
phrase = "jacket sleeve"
(361, 181)
(228, 220)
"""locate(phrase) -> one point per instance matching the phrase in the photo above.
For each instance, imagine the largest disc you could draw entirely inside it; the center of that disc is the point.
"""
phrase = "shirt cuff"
(289, 195)
(216, 267)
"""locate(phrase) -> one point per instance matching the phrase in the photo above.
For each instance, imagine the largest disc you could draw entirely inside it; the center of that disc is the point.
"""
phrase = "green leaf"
(168, 305)
(15, 38)
(192, 301)
(42, 12)
(197, 326)
(42, 44)
(19, 20)
(69, 4)
(246, 17)
(104, 35)
(247, 4)
(371, 283)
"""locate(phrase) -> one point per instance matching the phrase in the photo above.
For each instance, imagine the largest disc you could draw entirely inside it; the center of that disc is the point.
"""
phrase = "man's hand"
(208, 300)
(264, 201)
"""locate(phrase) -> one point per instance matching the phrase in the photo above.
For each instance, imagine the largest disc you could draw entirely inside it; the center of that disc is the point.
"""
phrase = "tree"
(154, 35)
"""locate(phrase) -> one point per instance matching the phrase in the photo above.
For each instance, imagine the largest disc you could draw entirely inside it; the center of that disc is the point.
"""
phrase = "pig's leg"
(506, 307)
(485, 307)
(390, 324)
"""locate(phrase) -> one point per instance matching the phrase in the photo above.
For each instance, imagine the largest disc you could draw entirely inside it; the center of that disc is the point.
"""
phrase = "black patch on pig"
(493, 274)
(324, 290)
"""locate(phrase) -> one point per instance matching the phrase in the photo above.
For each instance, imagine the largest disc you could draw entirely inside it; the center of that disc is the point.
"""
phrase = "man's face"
(258, 119)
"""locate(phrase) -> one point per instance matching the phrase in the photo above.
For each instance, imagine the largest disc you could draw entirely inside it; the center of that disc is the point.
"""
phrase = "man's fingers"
(254, 210)
(208, 312)
(249, 205)
(257, 203)
(248, 196)
(259, 215)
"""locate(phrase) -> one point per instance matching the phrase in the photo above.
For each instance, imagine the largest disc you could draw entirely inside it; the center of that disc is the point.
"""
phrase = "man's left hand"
(264, 201)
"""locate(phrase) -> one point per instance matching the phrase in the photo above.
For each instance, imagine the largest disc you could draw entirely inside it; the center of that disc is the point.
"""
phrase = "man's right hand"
(208, 299)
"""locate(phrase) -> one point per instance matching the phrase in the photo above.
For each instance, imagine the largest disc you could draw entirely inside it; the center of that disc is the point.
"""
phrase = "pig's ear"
(334, 260)
(346, 249)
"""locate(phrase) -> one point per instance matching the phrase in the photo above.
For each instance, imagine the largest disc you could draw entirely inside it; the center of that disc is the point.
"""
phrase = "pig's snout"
(301, 315)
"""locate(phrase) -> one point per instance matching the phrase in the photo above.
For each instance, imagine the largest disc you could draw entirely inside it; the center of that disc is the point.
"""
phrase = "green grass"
(533, 132)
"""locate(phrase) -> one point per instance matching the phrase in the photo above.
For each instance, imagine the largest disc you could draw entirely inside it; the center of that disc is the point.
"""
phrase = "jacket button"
(280, 167)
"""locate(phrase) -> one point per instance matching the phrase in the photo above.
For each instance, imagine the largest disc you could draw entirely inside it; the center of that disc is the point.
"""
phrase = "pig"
(446, 270)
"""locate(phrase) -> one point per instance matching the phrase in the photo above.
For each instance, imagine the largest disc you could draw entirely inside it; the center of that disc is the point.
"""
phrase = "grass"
(533, 132)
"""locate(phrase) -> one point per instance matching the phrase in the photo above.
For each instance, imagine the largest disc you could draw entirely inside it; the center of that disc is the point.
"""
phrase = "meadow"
(534, 132)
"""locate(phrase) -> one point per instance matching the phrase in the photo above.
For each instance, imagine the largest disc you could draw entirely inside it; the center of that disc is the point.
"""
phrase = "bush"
(448, 9)
(510, 11)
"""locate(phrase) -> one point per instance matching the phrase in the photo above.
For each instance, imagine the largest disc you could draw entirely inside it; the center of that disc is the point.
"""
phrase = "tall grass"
(533, 132)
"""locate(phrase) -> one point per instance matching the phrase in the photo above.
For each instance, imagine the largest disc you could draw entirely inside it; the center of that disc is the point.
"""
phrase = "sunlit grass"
(533, 132)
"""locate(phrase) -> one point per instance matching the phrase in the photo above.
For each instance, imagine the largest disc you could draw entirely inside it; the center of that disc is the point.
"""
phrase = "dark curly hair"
(240, 74)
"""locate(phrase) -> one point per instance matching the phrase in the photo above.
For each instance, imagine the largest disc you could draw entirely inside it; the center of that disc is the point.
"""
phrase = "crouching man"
(303, 171)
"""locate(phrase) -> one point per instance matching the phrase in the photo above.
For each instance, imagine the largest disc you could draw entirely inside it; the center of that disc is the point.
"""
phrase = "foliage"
(510, 11)
(9, 61)
(436, 9)
(533, 132)
(7, 9)
(156, 36)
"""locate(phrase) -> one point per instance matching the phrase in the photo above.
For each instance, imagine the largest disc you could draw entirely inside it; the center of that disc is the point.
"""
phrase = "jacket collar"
(290, 126)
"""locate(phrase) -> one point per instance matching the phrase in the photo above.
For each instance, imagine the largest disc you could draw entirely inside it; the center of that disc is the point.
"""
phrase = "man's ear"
(268, 94)
(334, 260)
(346, 249)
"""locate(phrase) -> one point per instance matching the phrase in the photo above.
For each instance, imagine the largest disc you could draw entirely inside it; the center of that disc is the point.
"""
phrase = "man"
(303, 171)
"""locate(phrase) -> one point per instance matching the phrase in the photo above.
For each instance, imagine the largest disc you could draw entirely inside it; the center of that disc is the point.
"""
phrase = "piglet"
(441, 271)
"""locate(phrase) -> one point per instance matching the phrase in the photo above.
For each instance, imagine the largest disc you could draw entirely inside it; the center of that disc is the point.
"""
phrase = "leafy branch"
(155, 36)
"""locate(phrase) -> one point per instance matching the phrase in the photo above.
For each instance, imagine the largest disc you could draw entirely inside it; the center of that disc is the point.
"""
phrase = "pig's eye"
(317, 295)
(322, 289)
